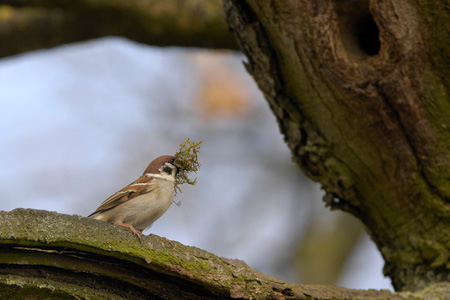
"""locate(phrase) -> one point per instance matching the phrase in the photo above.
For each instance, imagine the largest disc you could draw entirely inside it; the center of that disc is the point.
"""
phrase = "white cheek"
(162, 176)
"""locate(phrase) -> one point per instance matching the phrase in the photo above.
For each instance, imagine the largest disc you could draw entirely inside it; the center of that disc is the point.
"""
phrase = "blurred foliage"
(326, 246)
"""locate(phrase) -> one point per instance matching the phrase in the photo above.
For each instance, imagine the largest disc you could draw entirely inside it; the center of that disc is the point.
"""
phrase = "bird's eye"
(167, 170)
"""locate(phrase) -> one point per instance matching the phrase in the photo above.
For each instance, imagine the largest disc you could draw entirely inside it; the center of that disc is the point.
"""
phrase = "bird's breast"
(143, 210)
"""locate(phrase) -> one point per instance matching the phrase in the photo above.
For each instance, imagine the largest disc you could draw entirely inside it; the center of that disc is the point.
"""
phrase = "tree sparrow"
(143, 201)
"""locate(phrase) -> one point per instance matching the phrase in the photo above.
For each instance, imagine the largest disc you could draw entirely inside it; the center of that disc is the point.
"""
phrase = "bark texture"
(361, 92)
(47, 255)
(35, 24)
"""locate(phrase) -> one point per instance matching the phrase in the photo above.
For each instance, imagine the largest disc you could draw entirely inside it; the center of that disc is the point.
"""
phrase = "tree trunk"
(361, 92)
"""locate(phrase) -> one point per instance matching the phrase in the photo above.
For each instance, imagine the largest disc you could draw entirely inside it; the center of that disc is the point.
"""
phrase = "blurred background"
(81, 121)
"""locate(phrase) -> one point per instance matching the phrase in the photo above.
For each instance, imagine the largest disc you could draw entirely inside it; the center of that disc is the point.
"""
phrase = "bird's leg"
(136, 232)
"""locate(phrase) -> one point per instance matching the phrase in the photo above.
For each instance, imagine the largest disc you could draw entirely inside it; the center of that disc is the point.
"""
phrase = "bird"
(143, 201)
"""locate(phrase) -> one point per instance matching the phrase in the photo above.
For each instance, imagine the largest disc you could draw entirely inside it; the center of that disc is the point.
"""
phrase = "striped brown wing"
(140, 186)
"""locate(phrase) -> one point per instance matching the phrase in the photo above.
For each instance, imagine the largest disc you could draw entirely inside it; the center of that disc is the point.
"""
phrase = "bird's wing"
(140, 186)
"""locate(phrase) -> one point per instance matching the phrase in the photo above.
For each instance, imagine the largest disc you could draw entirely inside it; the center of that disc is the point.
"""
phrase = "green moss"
(438, 291)
(186, 160)
(435, 15)
(437, 253)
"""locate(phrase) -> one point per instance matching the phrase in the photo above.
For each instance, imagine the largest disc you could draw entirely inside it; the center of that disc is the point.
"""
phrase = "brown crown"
(154, 166)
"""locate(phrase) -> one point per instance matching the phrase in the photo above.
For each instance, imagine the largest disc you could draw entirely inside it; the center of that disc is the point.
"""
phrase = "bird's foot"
(136, 232)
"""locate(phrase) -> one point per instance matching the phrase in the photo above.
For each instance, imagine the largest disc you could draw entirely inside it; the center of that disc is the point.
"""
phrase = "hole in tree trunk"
(359, 32)
(368, 36)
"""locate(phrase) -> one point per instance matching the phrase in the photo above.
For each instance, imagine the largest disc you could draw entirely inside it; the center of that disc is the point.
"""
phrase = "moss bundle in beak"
(186, 160)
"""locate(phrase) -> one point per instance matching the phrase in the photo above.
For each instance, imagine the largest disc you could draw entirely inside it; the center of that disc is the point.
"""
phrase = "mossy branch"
(72, 257)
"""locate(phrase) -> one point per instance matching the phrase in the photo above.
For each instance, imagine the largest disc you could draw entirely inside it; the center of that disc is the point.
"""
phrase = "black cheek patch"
(168, 170)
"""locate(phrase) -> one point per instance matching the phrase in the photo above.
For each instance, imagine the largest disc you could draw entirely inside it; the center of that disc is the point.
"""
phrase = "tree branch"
(44, 24)
(52, 254)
